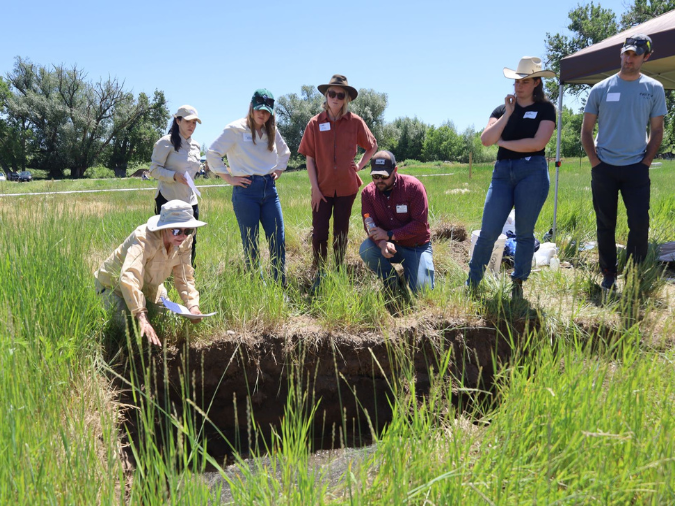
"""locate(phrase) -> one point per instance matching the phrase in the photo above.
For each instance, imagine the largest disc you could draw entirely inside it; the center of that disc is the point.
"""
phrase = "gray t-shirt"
(623, 109)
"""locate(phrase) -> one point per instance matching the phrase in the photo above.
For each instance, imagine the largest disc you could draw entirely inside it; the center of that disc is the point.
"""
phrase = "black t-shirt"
(523, 124)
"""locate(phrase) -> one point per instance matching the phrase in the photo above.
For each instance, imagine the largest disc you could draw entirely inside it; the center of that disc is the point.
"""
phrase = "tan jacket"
(139, 266)
(166, 161)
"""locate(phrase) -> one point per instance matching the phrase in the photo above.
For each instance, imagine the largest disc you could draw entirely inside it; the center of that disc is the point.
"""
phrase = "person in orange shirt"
(330, 144)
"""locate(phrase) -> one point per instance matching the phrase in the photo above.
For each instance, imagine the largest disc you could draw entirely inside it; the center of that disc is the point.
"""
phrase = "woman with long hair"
(329, 144)
(256, 155)
(521, 127)
(174, 157)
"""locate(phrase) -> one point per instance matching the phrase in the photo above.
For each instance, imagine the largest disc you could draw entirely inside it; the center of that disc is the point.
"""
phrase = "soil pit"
(348, 375)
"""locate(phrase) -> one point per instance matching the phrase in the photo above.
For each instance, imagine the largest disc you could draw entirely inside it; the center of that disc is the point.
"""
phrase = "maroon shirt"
(405, 211)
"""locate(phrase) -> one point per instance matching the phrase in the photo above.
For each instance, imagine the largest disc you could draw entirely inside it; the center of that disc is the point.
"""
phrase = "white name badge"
(613, 97)
(248, 137)
(402, 208)
(324, 127)
(530, 115)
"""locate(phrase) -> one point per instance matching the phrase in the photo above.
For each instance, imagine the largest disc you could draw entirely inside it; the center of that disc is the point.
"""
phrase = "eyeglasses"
(340, 95)
(637, 43)
(182, 231)
(377, 177)
(263, 100)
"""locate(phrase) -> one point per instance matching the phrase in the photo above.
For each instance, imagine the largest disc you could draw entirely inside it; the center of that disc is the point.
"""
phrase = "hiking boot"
(517, 288)
(608, 282)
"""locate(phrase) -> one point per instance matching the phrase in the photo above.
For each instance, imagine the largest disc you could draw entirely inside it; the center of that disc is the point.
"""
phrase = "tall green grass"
(582, 417)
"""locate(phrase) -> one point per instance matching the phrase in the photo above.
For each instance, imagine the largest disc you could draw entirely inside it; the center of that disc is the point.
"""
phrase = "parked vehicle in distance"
(25, 176)
(12, 176)
(2, 176)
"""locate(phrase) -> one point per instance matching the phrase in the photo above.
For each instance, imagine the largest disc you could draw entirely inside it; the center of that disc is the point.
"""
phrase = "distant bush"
(99, 172)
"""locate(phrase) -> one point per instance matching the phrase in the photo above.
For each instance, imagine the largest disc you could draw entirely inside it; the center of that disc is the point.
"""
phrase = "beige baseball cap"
(187, 112)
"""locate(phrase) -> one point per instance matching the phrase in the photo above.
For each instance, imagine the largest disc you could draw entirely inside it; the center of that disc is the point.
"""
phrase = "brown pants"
(341, 209)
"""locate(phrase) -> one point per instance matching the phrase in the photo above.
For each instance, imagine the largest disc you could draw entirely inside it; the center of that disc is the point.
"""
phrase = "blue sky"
(437, 60)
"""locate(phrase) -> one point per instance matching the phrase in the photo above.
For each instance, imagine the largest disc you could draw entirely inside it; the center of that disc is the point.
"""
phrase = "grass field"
(581, 413)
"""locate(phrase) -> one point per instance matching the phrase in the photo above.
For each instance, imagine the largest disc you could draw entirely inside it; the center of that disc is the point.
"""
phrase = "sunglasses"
(263, 100)
(340, 95)
(377, 177)
(182, 231)
(637, 43)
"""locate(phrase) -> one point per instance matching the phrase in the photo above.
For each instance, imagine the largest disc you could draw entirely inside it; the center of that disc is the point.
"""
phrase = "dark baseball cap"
(380, 164)
(640, 43)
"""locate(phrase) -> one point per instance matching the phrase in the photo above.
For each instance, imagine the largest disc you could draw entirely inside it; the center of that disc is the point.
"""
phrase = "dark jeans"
(341, 209)
(633, 183)
(160, 201)
(256, 204)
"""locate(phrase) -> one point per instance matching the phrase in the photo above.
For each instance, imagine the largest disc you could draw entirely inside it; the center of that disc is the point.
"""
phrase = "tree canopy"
(57, 119)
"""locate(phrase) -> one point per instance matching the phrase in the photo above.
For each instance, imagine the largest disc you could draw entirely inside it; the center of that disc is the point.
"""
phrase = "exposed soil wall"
(348, 374)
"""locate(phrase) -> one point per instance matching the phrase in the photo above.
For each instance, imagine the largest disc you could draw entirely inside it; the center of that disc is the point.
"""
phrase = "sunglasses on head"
(340, 95)
(263, 100)
(182, 231)
(637, 43)
(377, 177)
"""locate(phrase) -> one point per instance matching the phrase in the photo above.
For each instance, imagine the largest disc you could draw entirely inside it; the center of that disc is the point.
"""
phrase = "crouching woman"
(131, 279)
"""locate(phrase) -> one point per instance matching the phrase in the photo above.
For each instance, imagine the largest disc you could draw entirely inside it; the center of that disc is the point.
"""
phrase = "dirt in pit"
(348, 375)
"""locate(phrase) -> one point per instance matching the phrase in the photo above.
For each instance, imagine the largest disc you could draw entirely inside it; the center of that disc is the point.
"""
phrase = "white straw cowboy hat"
(174, 214)
(528, 66)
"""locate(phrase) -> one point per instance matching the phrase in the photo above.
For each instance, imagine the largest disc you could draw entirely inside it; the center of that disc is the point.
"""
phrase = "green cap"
(263, 99)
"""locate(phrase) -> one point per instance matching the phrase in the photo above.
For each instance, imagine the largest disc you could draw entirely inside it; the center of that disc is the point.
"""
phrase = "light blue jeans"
(255, 204)
(522, 184)
(417, 263)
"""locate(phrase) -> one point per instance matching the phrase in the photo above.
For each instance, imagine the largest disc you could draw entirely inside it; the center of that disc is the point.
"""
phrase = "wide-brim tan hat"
(187, 112)
(528, 66)
(339, 80)
(174, 214)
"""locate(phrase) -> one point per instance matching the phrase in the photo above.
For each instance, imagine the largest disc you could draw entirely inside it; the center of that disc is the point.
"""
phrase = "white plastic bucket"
(545, 253)
(497, 251)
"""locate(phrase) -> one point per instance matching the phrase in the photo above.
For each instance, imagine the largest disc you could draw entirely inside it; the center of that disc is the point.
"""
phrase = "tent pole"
(557, 160)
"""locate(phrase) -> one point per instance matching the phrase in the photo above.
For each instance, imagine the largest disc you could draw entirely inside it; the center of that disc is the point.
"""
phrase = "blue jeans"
(522, 184)
(259, 203)
(417, 262)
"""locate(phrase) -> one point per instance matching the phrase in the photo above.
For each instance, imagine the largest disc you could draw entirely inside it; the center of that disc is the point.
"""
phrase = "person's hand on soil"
(147, 330)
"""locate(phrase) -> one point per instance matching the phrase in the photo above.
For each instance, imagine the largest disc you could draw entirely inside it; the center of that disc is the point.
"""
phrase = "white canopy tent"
(599, 61)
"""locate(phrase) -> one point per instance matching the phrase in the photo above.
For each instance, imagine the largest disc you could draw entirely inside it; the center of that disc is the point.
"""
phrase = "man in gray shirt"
(623, 105)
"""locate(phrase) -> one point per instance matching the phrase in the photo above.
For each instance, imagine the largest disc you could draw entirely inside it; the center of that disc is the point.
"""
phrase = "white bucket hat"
(528, 66)
(174, 214)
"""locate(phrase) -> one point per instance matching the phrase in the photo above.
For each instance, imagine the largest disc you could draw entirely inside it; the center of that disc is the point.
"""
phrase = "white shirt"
(243, 156)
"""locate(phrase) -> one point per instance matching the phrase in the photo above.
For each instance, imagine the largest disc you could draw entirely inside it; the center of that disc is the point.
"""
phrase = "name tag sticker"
(248, 137)
(402, 208)
(324, 127)
(613, 97)
(530, 115)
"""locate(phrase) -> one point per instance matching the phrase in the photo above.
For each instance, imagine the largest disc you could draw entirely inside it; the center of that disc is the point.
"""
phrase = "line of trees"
(408, 138)
(53, 118)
